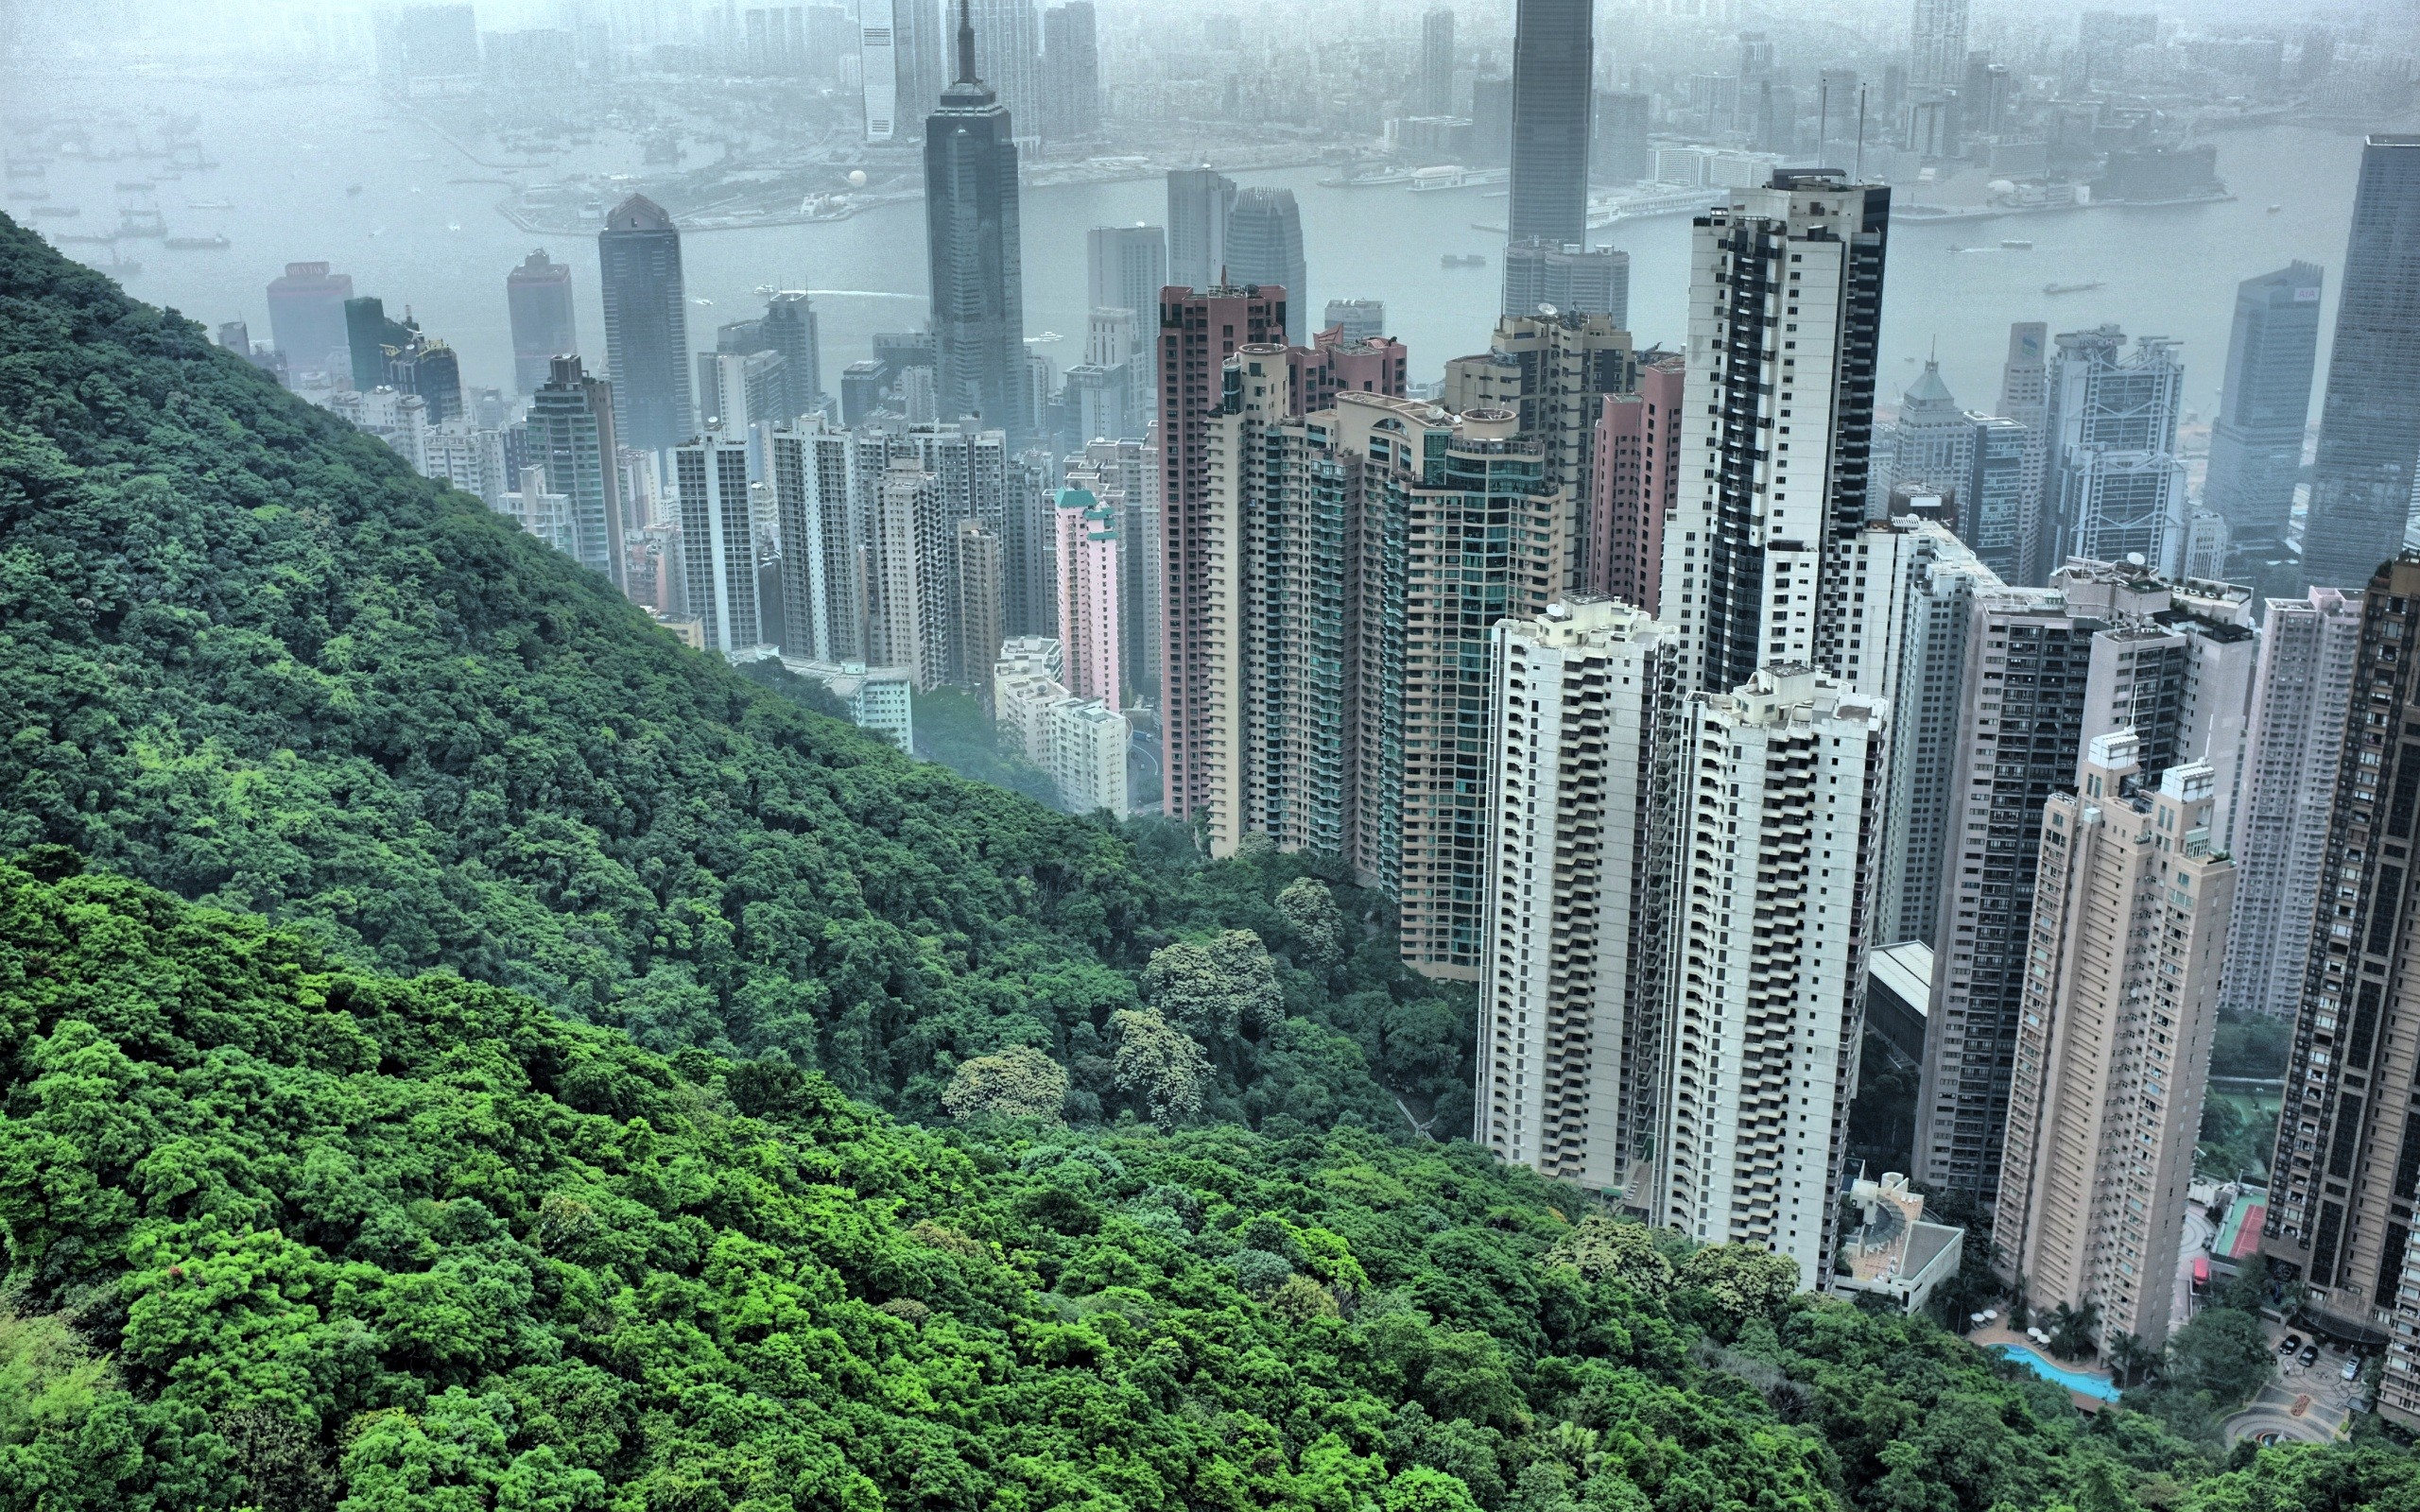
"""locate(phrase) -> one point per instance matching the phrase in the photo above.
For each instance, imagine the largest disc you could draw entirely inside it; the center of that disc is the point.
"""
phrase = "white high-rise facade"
(2300, 697)
(1899, 632)
(1784, 308)
(1781, 784)
(1937, 45)
(903, 569)
(1700, 1057)
(1580, 840)
(717, 542)
(879, 60)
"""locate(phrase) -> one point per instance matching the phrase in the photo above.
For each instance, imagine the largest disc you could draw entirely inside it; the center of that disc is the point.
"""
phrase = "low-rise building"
(1892, 1252)
(879, 699)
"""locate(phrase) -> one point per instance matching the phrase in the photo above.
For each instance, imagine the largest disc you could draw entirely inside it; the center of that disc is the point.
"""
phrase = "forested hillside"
(290, 1236)
(247, 656)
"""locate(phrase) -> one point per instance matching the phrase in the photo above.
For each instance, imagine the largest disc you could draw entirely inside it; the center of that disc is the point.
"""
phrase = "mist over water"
(425, 231)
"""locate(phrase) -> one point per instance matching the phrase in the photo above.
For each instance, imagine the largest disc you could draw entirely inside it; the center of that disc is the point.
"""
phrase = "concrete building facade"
(1583, 734)
(2292, 748)
(2131, 897)
(1781, 783)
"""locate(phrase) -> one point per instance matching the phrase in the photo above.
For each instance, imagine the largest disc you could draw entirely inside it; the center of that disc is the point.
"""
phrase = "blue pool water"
(2089, 1386)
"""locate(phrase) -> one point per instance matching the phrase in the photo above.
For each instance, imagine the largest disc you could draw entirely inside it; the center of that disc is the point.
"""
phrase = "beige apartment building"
(2131, 897)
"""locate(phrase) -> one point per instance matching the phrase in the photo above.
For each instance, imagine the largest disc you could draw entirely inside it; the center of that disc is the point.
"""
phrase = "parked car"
(2310, 1354)
(2352, 1368)
(2294, 1342)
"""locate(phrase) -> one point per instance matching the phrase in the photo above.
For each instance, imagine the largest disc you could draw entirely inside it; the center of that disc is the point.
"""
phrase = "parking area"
(2305, 1402)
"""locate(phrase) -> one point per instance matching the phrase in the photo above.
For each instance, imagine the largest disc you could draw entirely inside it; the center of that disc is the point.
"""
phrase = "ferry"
(2016, 244)
(1454, 176)
(1462, 260)
(199, 243)
(2071, 288)
(210, 204)
(56, 210)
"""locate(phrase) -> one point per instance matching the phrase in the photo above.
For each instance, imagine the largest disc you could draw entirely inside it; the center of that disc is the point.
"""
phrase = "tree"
(2071, 1330)
(1422, 1489)
(1741, 1282)
(1160, 1063)
(2222, 1351)
(1020, 1082)
(2128, 1355)
(1309, 909)
(1211, 992)
(1606, 1248)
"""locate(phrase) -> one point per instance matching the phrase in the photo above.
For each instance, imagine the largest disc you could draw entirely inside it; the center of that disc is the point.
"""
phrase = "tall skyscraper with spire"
(970, 231)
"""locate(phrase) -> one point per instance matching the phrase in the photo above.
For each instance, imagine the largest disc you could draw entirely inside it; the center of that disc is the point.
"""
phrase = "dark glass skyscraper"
(1199, 204)
(1552, 50)
(647, 325)
(2256, 443)
(1265, 247)
(790, 329)
(537, 295)
(971, 236)
(2369, 428)
(921, 39)
(572, 437)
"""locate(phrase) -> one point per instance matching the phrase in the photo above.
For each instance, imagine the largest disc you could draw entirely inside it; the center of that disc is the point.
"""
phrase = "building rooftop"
(1906, 968)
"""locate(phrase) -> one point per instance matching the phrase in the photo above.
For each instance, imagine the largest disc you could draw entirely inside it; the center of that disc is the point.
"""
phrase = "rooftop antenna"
(965, 43)
(1859, 174)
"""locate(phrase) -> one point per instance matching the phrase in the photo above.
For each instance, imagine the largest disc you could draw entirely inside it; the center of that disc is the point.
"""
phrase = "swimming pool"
(2088, 1385)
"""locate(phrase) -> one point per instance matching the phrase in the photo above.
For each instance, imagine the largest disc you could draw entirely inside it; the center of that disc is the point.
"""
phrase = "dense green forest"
(287, 1234)
(250, 658)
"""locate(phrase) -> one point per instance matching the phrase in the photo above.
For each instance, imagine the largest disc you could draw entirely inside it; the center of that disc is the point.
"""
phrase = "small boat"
(352, 189)
(453, 225)
(56, 210)
(2273, 209)
(134, 186)
(2070, 288)
(2016, 244)
(210, 204)
(35, 196)
(1461, 260)
(199, 243)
